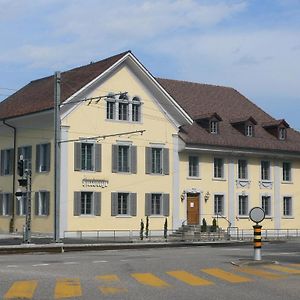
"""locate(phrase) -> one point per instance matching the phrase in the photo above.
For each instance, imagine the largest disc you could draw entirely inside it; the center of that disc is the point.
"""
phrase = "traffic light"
(21, 167)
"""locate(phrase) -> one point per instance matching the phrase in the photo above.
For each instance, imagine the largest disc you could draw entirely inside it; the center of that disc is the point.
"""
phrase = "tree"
(204, 225)
(142, 230)
(166, 228)
(147, 227)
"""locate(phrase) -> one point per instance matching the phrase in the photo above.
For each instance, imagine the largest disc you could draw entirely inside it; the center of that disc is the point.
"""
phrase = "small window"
(218, 168)
(5, 203)
(265, 170)
(249, 130)
(123, 159)
(87, 156)
(243, 205)
(110, 110)
(242, 169)
(214, 127)
(123, 111)
(219, 205)
(266, 204)
(123, 203)
(86, 203)
(22, 206)
(7, 161)
(287, 206)
(42, 203)
(156, 167)
(193, 166)
(286, 171)
(282, 133)
(26, 154)
(156, 206)
(43, 158)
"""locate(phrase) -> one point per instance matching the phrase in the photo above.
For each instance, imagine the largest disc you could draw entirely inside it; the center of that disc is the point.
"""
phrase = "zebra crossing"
(110, 284)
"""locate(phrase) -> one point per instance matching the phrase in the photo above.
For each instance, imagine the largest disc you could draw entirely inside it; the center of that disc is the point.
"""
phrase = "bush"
(214, 225)
(204, 225)
(142, 230)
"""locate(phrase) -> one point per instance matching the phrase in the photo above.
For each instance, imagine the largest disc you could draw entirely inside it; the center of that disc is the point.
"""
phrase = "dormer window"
(249, 130)
(244, 125)
(282, 133)
(214, 127)
(278, 128)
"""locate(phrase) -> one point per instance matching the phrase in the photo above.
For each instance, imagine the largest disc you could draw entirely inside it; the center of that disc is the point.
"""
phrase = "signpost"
(257, 214)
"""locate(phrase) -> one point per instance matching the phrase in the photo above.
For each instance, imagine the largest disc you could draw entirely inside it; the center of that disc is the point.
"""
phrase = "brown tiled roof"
(38, 95)
(276, 123)
(199, 99)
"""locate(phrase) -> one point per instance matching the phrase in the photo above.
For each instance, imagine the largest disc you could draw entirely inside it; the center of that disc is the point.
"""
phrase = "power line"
(8, 89)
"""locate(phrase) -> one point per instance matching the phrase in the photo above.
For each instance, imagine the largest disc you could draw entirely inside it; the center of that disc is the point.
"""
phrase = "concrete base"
(252, 262)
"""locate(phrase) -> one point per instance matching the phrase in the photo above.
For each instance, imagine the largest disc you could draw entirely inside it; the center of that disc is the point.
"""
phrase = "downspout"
(12, 220)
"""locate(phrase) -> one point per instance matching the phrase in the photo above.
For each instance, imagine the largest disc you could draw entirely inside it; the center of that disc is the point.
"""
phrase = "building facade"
(147, 147)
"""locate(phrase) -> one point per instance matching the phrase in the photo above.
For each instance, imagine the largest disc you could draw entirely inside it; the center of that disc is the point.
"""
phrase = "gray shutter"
(166, 204)
(18, 207)
(2, 163)
(133, 204)
(114, 158)
(97, 204)
(36, 203)
(114, 204)
(37, 158)
(47, 203)
(77, 202)
(148, 161)
(10, 204)
(48, 157)
(98, 159)
(1, 204)
(166, 161)
(77, 156)
(147, 204)
(11, 161)
(133, 159)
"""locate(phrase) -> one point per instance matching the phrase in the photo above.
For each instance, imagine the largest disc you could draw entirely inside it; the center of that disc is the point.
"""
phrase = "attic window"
(249, 130)
(214, 127)
(282, 134)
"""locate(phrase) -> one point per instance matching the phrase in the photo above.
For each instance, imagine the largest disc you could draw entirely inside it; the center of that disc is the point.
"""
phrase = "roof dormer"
(210, 122)
(245, 125)
(278, 128)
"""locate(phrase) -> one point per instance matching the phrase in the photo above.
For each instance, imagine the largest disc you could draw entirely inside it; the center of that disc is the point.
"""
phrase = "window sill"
(42, 172)
(41, 216)
(157, 216)
(123, 216)
(287, 182)
(124, 121)
(193, 178)
(218, 179)
(243, 217)
(288, 217)
(86, 216)
(266, 184)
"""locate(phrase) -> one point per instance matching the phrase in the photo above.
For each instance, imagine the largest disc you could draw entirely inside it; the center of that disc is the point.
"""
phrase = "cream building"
(163, 148)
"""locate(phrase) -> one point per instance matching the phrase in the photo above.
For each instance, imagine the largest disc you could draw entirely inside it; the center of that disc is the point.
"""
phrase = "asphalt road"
(169, 273)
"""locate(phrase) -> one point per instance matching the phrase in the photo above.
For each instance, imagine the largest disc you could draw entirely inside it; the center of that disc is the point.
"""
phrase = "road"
(169, 273)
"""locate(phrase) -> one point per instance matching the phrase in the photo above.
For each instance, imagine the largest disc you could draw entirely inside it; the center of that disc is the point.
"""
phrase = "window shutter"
(133, 159)
(98, 157)
(114, 204)
(11, 159)
(77, 202)
(97, 204)
(148, 151)
(2, 163)
(47, 203)
(147, 204)
(166, 161)
(18, 207)
(36, 203)
(166, 204)
(77, 156)
(133, 204)
(10, 204)
(48, 157)
(114, 156)
(37, 158)
(1, 204)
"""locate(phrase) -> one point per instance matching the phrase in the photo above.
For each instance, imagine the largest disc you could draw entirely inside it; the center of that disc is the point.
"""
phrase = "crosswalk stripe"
(189, 278)
(21, 289)
(283, 269)
(149, 279)
(107, 278)
(260, 273)
(67, 287)
(227, 276)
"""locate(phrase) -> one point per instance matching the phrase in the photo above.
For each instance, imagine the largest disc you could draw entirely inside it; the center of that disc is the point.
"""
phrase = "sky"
(250, 45)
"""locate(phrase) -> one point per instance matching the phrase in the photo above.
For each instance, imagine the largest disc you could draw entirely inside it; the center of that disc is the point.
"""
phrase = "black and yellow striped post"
(257, 241)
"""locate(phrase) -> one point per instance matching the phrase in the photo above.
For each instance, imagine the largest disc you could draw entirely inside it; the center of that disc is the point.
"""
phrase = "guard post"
(257, 215)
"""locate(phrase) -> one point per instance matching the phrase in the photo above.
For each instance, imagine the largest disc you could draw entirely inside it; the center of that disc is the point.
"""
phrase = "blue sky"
(251, 45)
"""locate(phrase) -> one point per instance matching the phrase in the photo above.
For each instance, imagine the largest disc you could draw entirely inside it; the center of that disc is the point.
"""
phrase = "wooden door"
(193, 209)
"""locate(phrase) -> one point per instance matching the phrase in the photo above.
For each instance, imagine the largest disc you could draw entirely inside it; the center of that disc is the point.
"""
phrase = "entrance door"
(193, 209)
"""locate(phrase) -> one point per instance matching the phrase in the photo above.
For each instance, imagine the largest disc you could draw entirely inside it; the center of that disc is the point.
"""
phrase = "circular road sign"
(257, 214)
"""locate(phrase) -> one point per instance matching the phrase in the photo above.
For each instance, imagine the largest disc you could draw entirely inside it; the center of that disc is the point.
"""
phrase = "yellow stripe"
(149, 279)
(21, 289)
(227, 276)
(294, 265)
(257, 237)
(189, 278)
(111, 277)
(260, 273)
(283, 269)
(67, 287)
(109, 290)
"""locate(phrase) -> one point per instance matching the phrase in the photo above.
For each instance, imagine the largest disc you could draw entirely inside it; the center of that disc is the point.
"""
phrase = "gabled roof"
(243, 120)
(276, 123)
(208, 116)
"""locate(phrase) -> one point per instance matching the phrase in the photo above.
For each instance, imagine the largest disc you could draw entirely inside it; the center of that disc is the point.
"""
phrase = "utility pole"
(57, 137)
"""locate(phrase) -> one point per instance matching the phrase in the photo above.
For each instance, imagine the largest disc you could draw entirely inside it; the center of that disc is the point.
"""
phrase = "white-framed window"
(6, 204)
(26, 152)
(265, 170)
(157, 160)
(123, 203)
(243, 205)
(123, 158)
(214, 127)
(266, 204)
(218, 168)
(43, 157)
(219, 204)
(282, 133)
(22, 209)
(42, 202)
(86, 205)
(87, 153)
(110, 109)
(286, 171)
(249, 130)
(123, 111)
(136, 109)
(156, 204)
(193, 166)
(7, 162)
(156, 166)
(242, 169)
(87, 156)
(287, 206)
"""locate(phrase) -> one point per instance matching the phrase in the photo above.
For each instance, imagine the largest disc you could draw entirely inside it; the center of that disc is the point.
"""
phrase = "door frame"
(193, 194)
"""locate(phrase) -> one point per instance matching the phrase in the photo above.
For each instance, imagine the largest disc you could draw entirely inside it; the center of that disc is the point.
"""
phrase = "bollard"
(257, 241)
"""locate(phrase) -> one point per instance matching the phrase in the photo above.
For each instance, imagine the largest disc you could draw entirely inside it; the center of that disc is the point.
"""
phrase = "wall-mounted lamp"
(182, 195)
(206, 196)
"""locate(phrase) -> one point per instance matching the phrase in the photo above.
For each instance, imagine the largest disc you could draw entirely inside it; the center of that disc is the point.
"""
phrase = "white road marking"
(124, 259)
(12, 266)
(99, 261)
(70, 263)
(40, 265)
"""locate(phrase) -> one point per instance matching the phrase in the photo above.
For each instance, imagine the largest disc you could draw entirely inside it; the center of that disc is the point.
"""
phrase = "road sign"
(257, 214)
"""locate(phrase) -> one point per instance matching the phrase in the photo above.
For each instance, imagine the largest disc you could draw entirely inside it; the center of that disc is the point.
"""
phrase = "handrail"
(223, 217)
